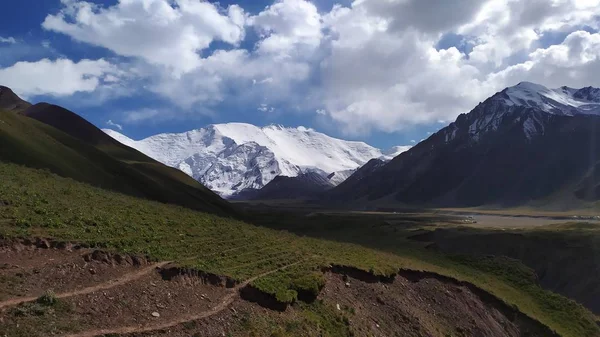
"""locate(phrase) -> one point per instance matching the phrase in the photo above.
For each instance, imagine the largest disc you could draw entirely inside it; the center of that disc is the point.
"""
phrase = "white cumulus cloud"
(162, 32)
(364, 66)
(288, 28)
(575, 62)
(61, 77)
(383, 73)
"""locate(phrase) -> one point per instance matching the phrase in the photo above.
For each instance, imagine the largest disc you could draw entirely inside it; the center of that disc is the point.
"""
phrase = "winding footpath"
(225, 302)
(129, 277)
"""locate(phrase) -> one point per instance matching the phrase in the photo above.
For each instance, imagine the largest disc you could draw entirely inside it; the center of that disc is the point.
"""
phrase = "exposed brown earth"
(422, 305)
(122, 280)
(27, 271)
(129, 308)
(133, 297)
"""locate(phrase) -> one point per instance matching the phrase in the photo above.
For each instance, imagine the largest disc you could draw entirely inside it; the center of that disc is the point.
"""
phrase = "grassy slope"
(564, 255)
(507, 279)
(109, 164)
(38, 203)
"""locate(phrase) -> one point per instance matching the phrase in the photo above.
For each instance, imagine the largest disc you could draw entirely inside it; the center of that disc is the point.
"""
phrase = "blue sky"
(31, 36)
(385, 72)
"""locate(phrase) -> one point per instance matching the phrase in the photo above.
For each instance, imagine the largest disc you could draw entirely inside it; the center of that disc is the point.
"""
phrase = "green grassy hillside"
(37, 203)
(104, 163)
(556, 252)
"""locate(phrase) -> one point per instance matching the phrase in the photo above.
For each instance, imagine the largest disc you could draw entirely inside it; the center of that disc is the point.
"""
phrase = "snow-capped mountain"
(524, 143)
(563, 101)
(229, 158)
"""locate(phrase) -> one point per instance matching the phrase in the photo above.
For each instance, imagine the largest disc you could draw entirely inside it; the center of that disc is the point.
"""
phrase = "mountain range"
(526, 144)
(236, 157)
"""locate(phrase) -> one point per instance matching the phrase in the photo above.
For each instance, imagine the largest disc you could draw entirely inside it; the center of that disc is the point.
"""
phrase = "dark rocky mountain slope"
(525, 144)
(304, 186)
(9, 101)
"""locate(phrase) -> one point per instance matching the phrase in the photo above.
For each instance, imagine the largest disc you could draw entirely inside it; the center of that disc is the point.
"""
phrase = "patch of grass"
(48, 299)
(302, 281)
(315, 319)
(45, 304)
(30, 309)
(190, 325)
(44, 317)
(503, 267)
(326, 319)
(310, 283)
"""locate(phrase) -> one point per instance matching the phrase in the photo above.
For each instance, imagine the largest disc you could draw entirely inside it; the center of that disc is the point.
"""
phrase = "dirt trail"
(102, 286)
(223, 304)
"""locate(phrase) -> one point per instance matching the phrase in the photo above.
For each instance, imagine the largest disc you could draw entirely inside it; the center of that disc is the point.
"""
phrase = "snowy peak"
(589, 94)
(119, 137)
(525, 145)
(528, 104)
(561, 101)
(229, 158)
(301, 146)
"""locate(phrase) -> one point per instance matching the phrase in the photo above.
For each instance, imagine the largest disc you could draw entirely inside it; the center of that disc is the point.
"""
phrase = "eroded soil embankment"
(171, 301)
(415, 304)
(425, 304)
